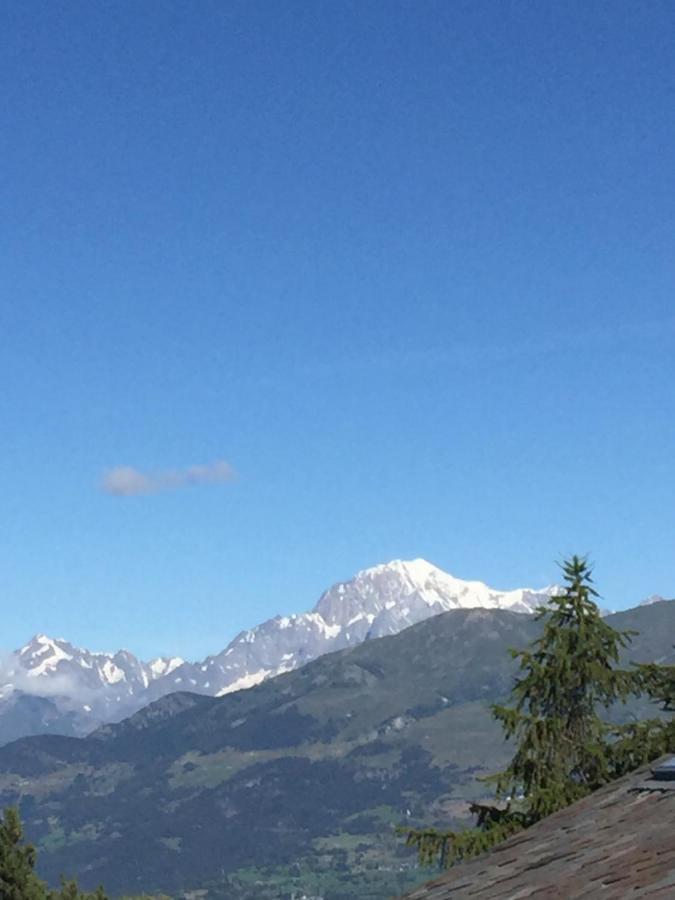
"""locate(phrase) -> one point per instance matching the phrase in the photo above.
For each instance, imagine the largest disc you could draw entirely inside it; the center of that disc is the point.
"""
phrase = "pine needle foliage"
(638, 743)
(564, 748)
(17, 861)
(446, 848)
(18, 880)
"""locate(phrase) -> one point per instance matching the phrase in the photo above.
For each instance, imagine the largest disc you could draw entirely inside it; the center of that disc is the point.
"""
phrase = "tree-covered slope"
(296, 783)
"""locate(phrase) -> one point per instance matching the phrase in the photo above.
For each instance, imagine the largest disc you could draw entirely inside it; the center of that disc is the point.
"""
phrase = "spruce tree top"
(568, 675)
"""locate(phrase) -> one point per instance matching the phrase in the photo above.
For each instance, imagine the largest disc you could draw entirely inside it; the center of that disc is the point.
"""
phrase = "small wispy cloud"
(127, 481)
(14, 677)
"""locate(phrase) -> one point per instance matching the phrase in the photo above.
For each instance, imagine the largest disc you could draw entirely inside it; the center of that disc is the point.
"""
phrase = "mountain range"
(51, 686)
(297, 785)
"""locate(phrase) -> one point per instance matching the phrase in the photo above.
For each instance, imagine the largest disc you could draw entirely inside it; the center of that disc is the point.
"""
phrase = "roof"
(617, 842)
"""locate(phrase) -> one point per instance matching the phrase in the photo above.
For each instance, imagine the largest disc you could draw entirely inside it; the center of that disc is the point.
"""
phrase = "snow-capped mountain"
(87, 687)
(378, 601)
(655, 598)
(90, 688)
(47, 657)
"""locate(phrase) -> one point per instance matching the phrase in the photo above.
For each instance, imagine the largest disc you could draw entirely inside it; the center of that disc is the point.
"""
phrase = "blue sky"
(407, 268)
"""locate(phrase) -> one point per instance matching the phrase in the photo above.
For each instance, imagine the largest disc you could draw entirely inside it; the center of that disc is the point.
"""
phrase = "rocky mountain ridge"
(302, 780)
(80, 689)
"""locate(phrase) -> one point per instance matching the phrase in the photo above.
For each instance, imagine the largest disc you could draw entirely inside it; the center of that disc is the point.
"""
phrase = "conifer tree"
(70, 891)
(564, 749)
(17, 861)
(568, 676)
(18, 880)
(640, 742)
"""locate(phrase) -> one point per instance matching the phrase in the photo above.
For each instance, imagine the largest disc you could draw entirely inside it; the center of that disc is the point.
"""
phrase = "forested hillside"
(296, 784)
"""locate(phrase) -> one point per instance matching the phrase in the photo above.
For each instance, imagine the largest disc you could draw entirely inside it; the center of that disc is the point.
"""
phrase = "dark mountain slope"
(296, 783)
(79, 690)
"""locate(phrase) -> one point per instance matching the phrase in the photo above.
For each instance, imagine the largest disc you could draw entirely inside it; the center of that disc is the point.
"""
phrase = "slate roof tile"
(618, 842)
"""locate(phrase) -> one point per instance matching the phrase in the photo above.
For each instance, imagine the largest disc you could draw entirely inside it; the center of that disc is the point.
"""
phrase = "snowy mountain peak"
(39, 644)
(417, 570)
(377, 601)
(164, 665)
(102, 685)
(409, 587)
(43, 654)
(655, 598)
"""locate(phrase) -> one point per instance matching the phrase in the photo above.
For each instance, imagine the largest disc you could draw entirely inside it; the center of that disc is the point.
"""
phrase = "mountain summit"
(326, 760)
(43, 657)
(397, 594)
(654, 598)
(91, 688)
(378, 601)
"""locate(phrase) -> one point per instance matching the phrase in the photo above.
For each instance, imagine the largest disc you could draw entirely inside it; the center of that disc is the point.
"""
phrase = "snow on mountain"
(43, 657)
(92, 687)
(378, 601)
(392, 596)
(164, 665)
(655, 598)
(382, 600)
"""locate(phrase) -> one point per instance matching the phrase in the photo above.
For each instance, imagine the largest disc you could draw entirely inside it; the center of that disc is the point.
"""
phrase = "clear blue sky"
(408, 267)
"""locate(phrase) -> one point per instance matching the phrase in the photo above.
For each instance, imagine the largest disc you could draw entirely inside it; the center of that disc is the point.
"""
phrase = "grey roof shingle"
(618, 842)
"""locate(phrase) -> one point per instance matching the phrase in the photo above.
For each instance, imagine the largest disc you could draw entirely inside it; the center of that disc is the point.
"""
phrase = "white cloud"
(14, 677)
(126, 481)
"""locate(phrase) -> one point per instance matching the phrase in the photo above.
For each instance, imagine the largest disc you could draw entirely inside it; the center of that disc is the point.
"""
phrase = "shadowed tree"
(17, 862)
(564, 748)
(18, 880)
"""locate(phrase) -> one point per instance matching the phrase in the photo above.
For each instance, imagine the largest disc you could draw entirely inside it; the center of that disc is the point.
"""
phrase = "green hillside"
(296, 784)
